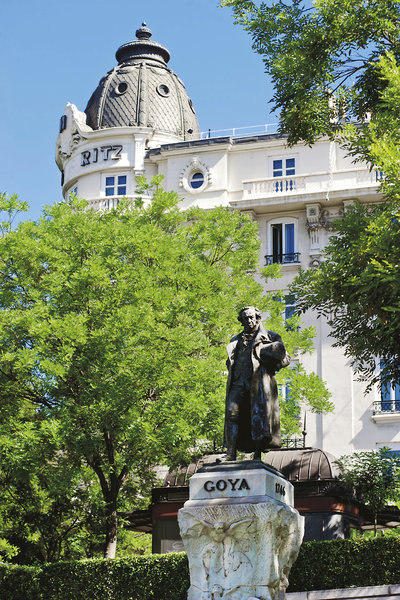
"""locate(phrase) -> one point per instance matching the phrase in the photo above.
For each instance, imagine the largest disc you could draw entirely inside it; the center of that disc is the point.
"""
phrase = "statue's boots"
(232, 430)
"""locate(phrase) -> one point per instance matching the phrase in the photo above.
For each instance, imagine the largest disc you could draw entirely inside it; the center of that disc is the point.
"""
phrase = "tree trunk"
(111, 531)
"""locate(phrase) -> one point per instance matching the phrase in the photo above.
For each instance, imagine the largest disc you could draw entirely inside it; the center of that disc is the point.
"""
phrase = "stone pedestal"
(240, 531)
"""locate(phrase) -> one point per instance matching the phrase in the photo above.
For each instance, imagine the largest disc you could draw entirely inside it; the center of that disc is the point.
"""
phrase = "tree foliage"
(333, 57)
(323, 58)
(374, 475)
(357, 289)
(113, 328)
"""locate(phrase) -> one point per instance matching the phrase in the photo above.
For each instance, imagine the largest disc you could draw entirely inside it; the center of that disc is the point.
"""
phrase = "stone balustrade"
(347, 179)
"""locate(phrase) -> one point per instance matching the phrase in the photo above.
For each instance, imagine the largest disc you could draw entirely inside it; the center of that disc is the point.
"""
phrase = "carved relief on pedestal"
(238, 551)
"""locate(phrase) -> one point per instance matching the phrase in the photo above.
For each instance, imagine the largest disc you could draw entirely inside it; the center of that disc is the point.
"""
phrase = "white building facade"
(140, 121)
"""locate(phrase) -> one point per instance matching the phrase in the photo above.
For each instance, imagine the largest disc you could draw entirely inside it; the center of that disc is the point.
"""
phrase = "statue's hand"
(273, 355)
(275, 350)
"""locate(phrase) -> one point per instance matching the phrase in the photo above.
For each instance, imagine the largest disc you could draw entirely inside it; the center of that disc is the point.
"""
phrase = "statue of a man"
(252, 409)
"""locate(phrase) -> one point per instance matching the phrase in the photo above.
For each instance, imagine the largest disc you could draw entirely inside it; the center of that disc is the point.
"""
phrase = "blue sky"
(54, 52)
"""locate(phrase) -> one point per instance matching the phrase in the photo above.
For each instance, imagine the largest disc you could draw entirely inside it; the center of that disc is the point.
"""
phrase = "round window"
(163, 90)
(196, 180)
(121, 88)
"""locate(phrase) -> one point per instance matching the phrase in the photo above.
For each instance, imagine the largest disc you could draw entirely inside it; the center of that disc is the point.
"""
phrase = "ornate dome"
(141, 91)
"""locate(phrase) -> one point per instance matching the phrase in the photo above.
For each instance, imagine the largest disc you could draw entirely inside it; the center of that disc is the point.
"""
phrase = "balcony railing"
(294, 443)
(316, 182)
(274, 185)
(110, 202)
(241, 131)
(385, 407)
(283, 259)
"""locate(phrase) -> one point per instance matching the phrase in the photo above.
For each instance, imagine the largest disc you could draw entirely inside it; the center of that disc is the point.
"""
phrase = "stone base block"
(240, 551)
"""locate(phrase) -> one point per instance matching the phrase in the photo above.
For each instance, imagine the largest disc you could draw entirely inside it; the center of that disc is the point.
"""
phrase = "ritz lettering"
(226, 484)
(103, 153)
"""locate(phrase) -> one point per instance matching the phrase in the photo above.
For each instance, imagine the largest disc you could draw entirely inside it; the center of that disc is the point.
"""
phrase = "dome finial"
(143, 48)
(144, 33)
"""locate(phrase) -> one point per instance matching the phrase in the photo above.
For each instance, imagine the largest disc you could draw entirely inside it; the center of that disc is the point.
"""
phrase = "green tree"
(326, 58)
(113, 328)
(10, 206)
(322, 59)
(47, 499)
(357, 287)
(375, 477)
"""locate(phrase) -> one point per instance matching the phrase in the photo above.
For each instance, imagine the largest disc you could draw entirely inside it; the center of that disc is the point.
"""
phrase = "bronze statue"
(252, 408)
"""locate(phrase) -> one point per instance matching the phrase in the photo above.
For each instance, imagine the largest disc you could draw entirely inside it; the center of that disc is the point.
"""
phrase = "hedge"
(320, 565)
(156, 577)
(346, 563)
(19, 583)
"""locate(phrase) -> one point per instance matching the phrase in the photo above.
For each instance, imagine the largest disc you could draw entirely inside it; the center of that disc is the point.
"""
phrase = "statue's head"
(250, 318)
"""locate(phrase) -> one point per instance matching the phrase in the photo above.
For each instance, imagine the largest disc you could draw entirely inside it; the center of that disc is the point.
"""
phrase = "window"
(284, 391)
(121, 88)
(73, 191)
(288, 302)
(284, 168)
(387, 408)
(290, 310)
(196, 180)
(63, 123)
(282, 243)
(163, 90)
(390, 395)
(115, 185)
(290, 306)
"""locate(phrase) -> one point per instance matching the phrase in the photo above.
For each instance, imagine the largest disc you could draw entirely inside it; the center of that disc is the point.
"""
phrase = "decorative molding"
(329, 215)
(191, 167)
(72, 133)
(315, 262)
(348, 203)
(314, 224)
(250, 212)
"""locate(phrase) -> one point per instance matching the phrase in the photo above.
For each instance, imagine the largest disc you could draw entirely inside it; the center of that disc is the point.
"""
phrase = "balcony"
(110, 202)
(386, 411)
(312, 183)
(283, 259)
(274, 186)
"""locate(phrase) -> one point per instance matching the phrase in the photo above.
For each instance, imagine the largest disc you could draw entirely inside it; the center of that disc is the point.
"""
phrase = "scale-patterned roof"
(141, 91)
(305, 464)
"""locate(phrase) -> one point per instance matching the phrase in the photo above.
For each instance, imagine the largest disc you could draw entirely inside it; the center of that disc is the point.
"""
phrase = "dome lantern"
(142, 48)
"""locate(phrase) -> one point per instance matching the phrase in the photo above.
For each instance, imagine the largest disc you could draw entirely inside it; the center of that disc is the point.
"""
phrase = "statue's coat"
(259, 422)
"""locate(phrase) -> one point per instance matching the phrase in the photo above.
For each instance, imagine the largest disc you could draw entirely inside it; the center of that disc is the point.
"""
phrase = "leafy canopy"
(375, 476)
(330, 63)
(322, 58)
(113, 328)
(357, 287)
